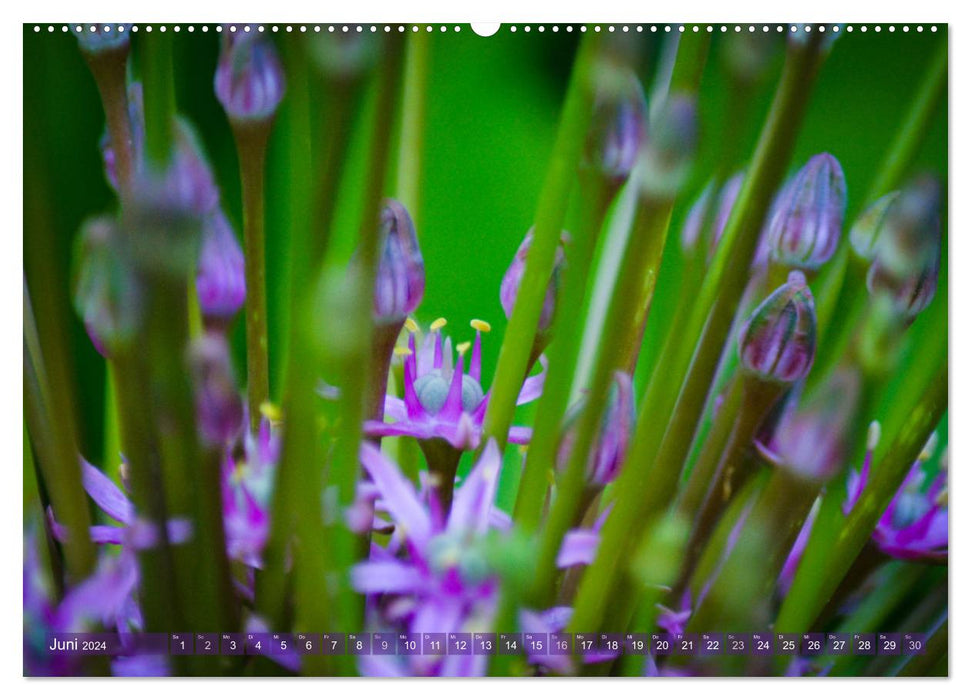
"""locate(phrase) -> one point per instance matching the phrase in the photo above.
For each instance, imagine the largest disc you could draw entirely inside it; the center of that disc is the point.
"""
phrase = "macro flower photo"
(403, 351)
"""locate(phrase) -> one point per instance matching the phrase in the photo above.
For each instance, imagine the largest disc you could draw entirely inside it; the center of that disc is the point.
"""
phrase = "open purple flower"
(434, 575)
(442, 400)
(247, 485)
(914, 525)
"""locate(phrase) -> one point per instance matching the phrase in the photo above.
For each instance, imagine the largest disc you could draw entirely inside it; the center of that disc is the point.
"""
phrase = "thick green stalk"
(734, 466)
(413, 109)
(251, 141)
(109, 71)
(52, 435)
(518, 341)
(643, 250)
(910, 136)
(596, 196)
(646, 484)
(156, 63)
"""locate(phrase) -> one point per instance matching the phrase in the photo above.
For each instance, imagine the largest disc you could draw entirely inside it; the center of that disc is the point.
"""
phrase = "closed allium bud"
(613, 438)
(670, 146)
(106, 293)
(249, 79)
(514, 275)
(907, 253)
(220, 272)
(806, 227)
(911, 235)
(104, 39)
(778, 342)
(617, 130)
(868, 229)
(219, 406)
(190, 178)
(400, 281)
(910, 294)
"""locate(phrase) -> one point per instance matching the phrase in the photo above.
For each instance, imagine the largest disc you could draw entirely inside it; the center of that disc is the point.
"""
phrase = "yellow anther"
(271, 411)
(941, 499)
(928, 451)
(411, 325)
(463, 347)
(239, 472)
(480, 325)
(402, 351)
(438, 323)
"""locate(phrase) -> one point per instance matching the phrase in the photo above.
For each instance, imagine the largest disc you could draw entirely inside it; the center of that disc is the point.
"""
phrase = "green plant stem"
(769, 532)
(413, 110)
(251, 140)
(704, 470)
(936, 651)
(596, 195)
(734, 466)
(643, 249)
(518, 341)
(51, 433)
(343, 100)
(876, 608)
(159, 95)
(109, 71)
(646, 484)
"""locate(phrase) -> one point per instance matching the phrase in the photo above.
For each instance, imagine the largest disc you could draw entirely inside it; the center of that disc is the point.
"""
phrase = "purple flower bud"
(670, 146)
(219, 406)
(778, 341)
(617, 130)
(868, 228)
(249, 79)
(106, 293)
(805, 228)
(190, 177)
(910, 295)
(400, 281)
(907, 252)
(691, 233)
(514, 275)
(220, 273)
(911, 235)
(613, 439)
(812, 440)
(104, 39)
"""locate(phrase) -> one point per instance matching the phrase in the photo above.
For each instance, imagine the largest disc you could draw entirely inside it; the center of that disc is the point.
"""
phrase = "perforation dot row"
(373, 28)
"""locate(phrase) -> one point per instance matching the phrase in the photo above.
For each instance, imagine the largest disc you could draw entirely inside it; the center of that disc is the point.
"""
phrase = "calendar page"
(519, 349)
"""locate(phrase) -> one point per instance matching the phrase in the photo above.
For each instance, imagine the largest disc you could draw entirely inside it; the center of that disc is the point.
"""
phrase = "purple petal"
(533, 386)
(579, 547)
(474, 499)
(103, 491)
(399, 495)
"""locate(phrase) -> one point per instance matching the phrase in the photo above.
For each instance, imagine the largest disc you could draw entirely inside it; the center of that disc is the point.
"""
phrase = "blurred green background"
(492, 110)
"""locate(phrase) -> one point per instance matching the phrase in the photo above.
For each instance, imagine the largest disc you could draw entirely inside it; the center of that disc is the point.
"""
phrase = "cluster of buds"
(618, 127)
